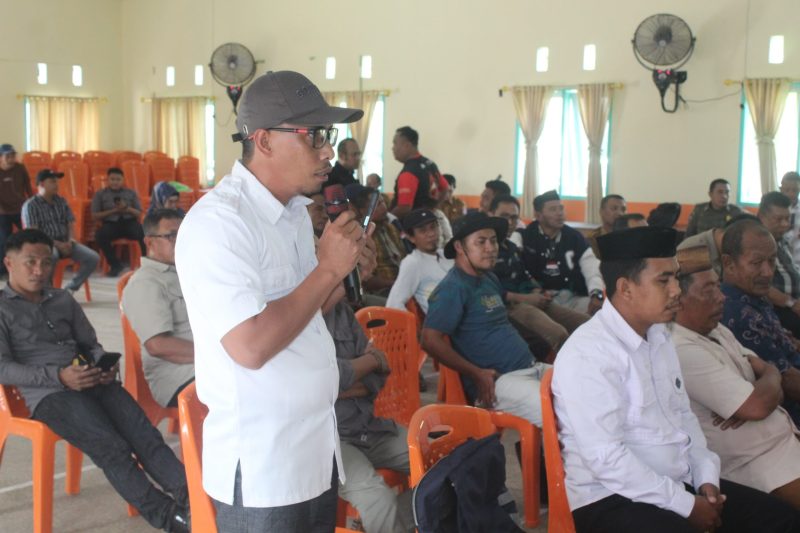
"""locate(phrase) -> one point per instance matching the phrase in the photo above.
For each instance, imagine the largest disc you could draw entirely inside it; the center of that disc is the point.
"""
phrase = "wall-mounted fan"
(233, 66)
(663, 43)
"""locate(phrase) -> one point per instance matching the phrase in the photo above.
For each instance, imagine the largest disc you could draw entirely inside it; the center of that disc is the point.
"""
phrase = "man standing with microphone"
(265, 363)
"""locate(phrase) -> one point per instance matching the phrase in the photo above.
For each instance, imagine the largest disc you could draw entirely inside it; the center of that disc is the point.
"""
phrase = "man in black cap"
(422, 269)
(497, 367)
(15, 188)
(50, 212)
(255, 291)
(634, 454)
(559, 257)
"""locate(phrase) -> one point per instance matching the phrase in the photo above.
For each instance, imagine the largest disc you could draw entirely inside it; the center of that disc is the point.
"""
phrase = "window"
(41, 73)
(209, 162)
(330, 68)
(170, 76)
(563, 149)
(55, 123)
(787, 147)
(198, 75)
(372, 153)
(77, 75)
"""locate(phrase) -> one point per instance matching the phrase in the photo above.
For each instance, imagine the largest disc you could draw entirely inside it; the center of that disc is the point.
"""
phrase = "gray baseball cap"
(287, 97)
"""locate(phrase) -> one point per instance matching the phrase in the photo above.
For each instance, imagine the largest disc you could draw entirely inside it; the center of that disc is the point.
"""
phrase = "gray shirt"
(106, 199)
(354, 416)
(39, 339)
(154, 304)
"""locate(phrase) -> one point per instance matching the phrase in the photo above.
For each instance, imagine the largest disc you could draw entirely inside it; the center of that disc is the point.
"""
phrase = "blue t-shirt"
(471, 311)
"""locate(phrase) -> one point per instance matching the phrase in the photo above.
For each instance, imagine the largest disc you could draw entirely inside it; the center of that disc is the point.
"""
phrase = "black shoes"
(179, 522)
(114, 271)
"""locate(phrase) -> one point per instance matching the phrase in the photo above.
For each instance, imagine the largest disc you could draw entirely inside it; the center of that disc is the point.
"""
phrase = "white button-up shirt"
(239, 249)
(624, 418)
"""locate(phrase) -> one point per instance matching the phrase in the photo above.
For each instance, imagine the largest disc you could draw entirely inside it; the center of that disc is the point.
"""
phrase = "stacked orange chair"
(135, 383)
(75, 184)
(137, 177)
(560, 517)
(98, 161)
(98, 182)
(188, 172)
(33, 162)
(152, 154)
(427, 444)
(15, 420)
(161, 169)
(65, 155)
(121, 156)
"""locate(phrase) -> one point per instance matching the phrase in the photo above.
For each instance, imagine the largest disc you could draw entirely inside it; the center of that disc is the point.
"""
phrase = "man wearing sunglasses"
(153, 303)
(265, 363)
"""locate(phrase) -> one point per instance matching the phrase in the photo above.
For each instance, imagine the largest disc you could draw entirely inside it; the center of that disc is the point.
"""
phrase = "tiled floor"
(98, 508)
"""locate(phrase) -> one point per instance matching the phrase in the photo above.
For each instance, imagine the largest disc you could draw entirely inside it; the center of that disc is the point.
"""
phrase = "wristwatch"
(597, 293)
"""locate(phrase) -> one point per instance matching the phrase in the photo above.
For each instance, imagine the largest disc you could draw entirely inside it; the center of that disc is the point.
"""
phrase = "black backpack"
(465, 492)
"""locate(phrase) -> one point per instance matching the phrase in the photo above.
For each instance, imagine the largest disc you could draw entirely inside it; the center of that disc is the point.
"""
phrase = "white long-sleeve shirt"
(624, 418)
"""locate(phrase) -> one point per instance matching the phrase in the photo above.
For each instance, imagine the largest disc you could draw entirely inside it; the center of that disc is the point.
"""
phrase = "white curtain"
(530, 104)
(364, 100)
(595, 102)
(64, 123)
(179, 126)
(766, 98)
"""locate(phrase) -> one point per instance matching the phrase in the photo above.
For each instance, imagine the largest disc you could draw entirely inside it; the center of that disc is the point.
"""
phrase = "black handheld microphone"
(335, 204)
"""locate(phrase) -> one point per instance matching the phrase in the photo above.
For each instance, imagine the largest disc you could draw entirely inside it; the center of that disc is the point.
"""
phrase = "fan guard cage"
(232, 64)
(663, 40)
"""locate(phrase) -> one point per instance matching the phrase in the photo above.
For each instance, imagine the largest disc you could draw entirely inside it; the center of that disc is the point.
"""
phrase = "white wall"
(61, 34)
(444, 60)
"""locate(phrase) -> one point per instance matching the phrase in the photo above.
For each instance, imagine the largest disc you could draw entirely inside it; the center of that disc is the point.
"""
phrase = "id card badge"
(551, 269)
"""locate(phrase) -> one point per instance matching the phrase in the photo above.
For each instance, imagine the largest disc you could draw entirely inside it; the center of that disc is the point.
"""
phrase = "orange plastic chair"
(75, 183)
(98, 161)
(395, 332)
(99, 182)
(450, 390)
(462, 422)
(186, 200)
(120, 156)
(34, 162)
(135, 383)
(188, 171)
(58, 276)
(560, 519)
(192, 413)
(153, 154)
(161, 169)
(137, 177)
(15, 420)
(65, 155)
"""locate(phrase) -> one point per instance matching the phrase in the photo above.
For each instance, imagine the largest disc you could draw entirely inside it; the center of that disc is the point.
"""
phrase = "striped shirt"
(786, 278)
(53, 218)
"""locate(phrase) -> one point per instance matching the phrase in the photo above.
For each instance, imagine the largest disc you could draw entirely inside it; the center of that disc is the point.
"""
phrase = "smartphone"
(373, 202)
(107, 361)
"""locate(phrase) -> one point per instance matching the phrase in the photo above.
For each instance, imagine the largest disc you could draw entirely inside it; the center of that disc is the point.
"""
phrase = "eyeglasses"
(319, 135)
(171, 237)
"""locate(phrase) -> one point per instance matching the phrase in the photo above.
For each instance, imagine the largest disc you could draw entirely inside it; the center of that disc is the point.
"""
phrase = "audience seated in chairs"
(47, 350)
(773, 212)
(154, 304)
(714, 213)
(712, 239)
(634, 454)
(560, 259)
(367, 442)
(422, 269)
(612, 207)
(15, 188)
(749, 255)
(493, 188)
(50, 213)
(664, 215)
(495, 363)
(118, 209)
(790, 187)
(390, 247)
(530, 309)
(735, 394)
(165, 196)
(452, 207)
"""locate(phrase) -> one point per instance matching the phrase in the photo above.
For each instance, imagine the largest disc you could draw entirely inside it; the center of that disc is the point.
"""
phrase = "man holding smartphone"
(265, 363)
(49, 351)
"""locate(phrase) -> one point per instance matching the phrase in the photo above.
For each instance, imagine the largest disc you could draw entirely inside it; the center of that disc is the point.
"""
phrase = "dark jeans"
(313, 516)
(173, 402)
(128, 228)
(745, 510)
(107, 424)
(7, 223)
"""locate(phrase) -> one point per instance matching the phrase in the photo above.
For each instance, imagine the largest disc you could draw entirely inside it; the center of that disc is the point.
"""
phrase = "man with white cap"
(265, 362)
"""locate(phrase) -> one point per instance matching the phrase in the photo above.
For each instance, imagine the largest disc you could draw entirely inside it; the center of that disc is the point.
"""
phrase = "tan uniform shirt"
(153, 302)
(763, 454)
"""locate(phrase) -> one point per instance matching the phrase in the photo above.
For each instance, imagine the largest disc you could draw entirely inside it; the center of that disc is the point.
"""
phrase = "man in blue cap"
(15, 188)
